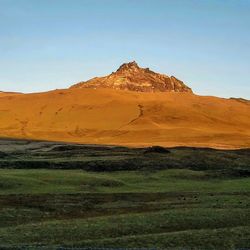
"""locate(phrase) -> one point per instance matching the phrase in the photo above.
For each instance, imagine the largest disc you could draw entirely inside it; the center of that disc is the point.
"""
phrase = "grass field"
(178, 207)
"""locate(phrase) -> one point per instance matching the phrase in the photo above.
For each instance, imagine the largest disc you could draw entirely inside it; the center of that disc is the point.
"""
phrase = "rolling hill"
(134, 107)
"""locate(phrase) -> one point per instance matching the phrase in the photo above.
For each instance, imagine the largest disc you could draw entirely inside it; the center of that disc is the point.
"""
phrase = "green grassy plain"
(178, 207)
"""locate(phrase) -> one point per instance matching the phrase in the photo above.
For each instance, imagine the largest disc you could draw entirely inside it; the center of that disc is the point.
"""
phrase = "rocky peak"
(131, 66)
(129, 76)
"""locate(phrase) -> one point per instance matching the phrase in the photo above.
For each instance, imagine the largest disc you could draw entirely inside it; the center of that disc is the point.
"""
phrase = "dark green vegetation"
(48, 155)
(68, 195)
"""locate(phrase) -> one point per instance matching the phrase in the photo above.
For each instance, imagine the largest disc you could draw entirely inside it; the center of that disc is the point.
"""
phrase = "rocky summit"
(130, 76)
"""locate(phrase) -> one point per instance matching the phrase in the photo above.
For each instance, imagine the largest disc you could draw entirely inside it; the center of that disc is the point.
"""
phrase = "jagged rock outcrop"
(130, 76)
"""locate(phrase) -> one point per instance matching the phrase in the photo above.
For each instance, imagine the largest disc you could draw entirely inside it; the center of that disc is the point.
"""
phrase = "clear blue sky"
(48, 44)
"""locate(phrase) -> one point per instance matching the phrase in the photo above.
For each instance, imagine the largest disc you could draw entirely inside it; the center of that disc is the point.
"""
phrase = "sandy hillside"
(4, 94)
(123, 117)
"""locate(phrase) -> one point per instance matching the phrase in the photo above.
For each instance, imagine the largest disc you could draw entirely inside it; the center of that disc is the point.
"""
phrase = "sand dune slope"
(106, 116)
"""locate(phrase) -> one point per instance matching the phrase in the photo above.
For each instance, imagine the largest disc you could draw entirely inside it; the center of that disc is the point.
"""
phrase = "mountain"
(96, 112)
(130, 76)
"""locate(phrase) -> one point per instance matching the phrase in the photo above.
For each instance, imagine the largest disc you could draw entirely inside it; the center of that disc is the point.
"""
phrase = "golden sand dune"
(108, 116)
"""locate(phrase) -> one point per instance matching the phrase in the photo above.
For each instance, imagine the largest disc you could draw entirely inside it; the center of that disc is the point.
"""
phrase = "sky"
(52, 44)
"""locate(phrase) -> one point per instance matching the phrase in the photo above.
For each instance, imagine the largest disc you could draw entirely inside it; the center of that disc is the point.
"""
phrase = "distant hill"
(241, 100)
(3, 94)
